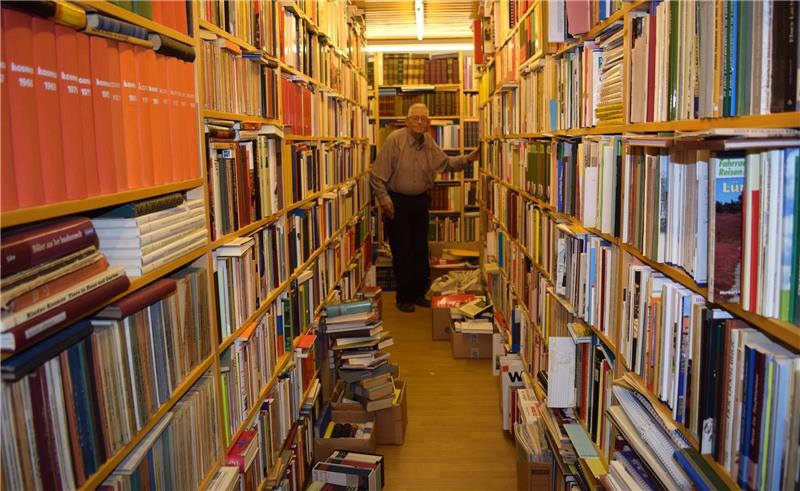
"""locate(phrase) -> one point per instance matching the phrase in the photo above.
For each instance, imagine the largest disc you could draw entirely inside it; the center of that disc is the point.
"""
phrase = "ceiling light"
(418, 48)
(420, 13)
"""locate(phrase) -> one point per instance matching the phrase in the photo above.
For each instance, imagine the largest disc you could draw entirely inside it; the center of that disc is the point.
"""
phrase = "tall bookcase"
(605, 179)
(281, 86)
(454, 211)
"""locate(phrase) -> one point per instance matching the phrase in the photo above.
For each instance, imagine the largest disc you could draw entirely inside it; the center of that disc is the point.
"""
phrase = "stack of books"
(352, 469)
(52, 274)
(148, 234)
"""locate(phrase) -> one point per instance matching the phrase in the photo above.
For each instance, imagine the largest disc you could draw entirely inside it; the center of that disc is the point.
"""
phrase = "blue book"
(592, 284)
(696, 475)
(347, 308)
(560, 179)
(23, 363)
(789, 232)
(780, 393)
(744, 444)
(734, 56)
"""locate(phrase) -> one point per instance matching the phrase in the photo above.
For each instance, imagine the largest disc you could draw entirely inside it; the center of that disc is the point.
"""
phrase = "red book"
(69, 98)
(239, 449)
(157, 12)
(138, 300)
(43, 432)
(129, 86)
(47, 109)
(178, 143)
(306, 111)
(44, 242)
(451, 301)
(101, 97)
(8, 192)
(58, 285)
(117, 120)
(91, 177)
(48, 323)
(168, 13)
(144, 118)
(477, 41)
(17, 40)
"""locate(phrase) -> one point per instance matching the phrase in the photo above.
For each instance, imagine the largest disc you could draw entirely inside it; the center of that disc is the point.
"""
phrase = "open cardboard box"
(531, 476)
(441, 323)
(323, 447)
(391, 422)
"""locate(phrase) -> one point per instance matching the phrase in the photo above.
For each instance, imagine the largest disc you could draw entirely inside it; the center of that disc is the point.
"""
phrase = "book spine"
(46, 243)
(138, 300)
(34, 330)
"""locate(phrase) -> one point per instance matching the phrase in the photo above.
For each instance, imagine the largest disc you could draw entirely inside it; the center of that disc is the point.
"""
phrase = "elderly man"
(402, 177)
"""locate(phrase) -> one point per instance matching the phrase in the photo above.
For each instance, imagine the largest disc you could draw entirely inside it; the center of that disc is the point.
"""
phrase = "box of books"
(346, 429)
(352, 470)
(391, 422)
(441, 307)
(458, 256)
(472, 338)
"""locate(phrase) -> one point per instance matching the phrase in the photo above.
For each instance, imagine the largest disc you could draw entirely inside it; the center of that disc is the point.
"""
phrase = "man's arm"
(380, 174)
(446, 163)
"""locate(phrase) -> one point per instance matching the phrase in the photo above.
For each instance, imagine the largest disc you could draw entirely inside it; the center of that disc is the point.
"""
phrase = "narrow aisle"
(454, 439)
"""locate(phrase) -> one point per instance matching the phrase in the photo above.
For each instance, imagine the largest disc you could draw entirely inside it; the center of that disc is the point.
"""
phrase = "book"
(475, 308)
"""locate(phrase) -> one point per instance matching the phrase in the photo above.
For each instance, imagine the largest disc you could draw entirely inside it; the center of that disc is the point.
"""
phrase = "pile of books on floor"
(145, 235)
(358, 340)
(52, 274)
(348, 470)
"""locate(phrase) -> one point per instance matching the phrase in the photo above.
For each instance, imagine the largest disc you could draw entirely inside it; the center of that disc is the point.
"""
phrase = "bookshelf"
(558, 158)
(319, 263)
(454, 123)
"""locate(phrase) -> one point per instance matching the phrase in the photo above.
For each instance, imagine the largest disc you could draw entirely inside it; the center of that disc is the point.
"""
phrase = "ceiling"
(395, 19)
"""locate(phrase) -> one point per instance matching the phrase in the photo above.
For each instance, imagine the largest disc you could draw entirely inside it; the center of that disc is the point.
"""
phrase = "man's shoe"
(423, 302)
(405, 307)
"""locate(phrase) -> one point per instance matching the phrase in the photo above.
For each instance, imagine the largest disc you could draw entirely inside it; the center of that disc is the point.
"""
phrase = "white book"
(701, 227)
(590, 197)
(133, 238)
(561, 372)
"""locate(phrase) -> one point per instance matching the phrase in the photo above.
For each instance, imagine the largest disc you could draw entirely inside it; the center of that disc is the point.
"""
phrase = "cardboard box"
(435, 250)
(323, 447)
(473, 346)
(532, 477)
(391, 422)
(441, 324)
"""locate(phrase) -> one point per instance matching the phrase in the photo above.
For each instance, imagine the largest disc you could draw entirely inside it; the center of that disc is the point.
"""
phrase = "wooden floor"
(454, 439)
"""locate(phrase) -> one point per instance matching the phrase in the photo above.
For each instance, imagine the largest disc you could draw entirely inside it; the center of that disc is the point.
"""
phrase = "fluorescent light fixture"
(417, 48)
(420, 13)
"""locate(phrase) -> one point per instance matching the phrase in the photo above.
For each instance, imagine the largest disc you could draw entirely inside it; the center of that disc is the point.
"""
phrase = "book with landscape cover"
(726, 184)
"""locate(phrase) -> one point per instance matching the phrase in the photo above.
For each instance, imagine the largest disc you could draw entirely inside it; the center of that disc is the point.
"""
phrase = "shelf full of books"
(445, 83)
(200, 194)
(642, 224)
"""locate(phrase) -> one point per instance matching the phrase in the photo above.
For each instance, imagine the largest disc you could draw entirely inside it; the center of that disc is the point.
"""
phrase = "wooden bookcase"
(499, 80)
(349, 54)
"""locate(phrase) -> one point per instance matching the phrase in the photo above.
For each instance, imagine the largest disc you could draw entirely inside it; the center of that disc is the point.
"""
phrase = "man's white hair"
(417, 105)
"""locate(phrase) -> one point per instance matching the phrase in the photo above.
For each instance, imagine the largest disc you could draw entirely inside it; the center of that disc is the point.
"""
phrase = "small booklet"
(475, 307)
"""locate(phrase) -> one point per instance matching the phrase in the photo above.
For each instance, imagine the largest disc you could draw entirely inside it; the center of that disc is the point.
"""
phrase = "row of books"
(396, 102)
(471, 106)
(446, 135)
(468, 73)
(251, 22)
(108, 120)
(174, 452)
(446, 198)
(344, 468)
(103, 379)
(501, 114)
(445, 228)
(419, 68)
(235, 81)
(171, 14)
(471, 134)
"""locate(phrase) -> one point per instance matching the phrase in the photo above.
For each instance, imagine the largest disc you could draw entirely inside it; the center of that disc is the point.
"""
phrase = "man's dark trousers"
(408, 238)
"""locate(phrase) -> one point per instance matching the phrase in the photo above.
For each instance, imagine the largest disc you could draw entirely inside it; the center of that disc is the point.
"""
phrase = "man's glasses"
(418, 119)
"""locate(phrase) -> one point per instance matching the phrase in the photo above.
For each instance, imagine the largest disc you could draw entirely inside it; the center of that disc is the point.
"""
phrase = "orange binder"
(130, 114)
(69, 98)
(178, 143)
(144, 126)
(92, 178)
(157, 12)
(101, 97)
(158, 116)
(193, 171)
(117, 129)
(168, 14)
(180, 17)
(18, 40)
(47, 111)
(8, 185)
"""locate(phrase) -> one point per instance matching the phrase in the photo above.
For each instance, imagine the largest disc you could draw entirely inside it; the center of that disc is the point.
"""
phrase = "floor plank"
(454, 439)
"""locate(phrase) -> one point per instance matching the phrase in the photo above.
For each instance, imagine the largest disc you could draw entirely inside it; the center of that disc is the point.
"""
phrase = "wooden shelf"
(109, 8)
(208, 26)
(247, 118)
(419, 87)
(404, 117)
(445, 212)
(54, 210)
(96, 479)
(777, 120)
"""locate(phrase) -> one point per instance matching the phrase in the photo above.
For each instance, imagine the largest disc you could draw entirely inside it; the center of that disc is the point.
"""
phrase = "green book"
(744, 58)
(126, 4)
(143, 8)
